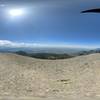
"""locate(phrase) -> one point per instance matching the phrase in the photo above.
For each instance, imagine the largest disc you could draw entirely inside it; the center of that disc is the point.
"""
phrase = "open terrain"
(26, 78)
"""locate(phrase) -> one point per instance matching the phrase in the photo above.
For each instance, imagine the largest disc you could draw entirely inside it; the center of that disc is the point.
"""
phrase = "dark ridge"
(49, 56)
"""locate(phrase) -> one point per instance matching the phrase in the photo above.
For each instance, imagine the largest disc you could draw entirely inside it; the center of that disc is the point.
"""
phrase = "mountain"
(26, 78)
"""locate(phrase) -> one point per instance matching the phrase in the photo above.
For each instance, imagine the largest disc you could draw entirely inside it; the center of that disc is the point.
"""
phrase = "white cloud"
(7, 43)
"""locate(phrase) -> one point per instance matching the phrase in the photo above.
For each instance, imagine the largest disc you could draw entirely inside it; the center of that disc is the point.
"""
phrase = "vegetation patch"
(49, 56)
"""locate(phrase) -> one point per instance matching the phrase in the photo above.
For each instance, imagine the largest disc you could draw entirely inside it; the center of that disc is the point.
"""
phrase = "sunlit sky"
(50, 22)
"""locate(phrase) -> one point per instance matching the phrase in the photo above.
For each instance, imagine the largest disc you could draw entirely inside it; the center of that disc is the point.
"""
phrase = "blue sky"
(50, 22)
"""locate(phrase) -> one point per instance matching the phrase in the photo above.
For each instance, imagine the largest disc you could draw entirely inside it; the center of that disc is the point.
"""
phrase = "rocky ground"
(25, 78)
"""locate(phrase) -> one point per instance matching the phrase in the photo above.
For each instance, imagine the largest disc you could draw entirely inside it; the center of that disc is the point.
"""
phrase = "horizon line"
(12, 44)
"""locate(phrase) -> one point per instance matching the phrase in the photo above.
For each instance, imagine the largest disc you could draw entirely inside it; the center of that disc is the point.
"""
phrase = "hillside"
(34, 79)
(49, 56)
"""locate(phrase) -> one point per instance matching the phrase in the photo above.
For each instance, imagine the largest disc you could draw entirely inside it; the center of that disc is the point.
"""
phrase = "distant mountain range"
(49, 53)
(89, 52)
(56, 55)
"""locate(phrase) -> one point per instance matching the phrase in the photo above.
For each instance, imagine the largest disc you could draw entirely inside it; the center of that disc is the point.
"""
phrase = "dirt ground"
(25, 78)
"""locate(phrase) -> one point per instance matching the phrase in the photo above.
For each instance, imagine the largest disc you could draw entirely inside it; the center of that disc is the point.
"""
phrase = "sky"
(49, 22)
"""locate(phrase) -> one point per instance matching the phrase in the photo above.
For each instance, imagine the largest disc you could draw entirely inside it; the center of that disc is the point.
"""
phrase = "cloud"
(7, 43)
(11, 44)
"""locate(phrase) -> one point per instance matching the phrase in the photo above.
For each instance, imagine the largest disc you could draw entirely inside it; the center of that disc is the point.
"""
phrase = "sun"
(16, 12)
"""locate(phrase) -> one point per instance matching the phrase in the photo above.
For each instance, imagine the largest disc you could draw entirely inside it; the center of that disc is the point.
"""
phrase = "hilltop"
(36, 79)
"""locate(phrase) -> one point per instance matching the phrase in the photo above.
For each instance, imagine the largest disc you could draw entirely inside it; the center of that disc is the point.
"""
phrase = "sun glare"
(16, 12)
